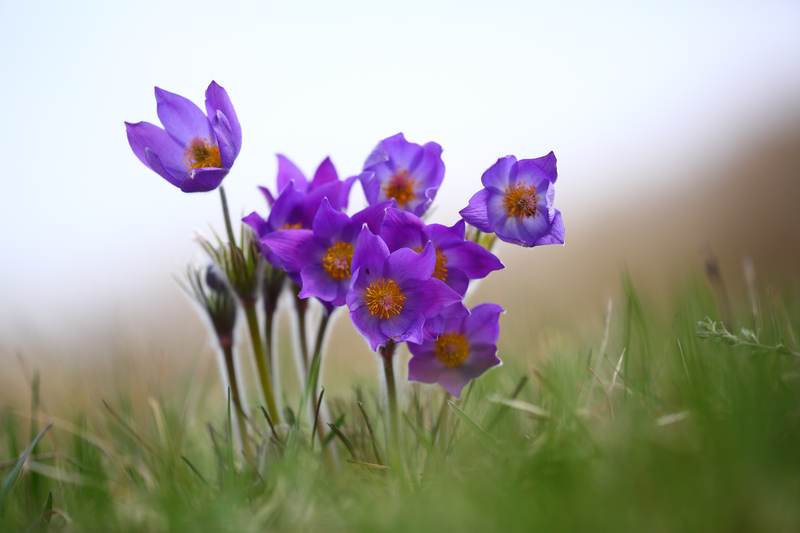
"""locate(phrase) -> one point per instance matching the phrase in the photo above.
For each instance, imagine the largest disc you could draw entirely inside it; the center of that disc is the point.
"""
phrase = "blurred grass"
(646, 427)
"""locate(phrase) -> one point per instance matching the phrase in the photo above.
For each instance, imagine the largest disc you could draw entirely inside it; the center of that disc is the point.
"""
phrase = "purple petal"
(182, 119)
(453, 381)
(369, 254)
(373, 216)
(372, 187)
(445, 237)
(482, 326)
(429, 297)
(429, 169)
(267, 195)
(325, 172)
(472, 259)
(287, 209)
(365, 323)
(287, 173)
(539, 169)
(458, 281)
(257, 223)
(423, 365)
(556, 233)
(328, 222)
(401, 229)
(204, 179)
(407, 326)
(292, 247)
(499, 176)
(317, 283)
(394, 151)
(407, 265)
(143, 136)
(224, 122)
(476, 213)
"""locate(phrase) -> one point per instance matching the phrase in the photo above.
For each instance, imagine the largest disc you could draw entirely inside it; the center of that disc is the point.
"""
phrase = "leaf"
(12, 477)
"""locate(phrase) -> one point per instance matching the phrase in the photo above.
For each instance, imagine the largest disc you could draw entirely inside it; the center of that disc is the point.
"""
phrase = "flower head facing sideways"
(394, 293)
(458, 347)
(516, 202)
(194, 150)
(406, 172)
(457, 260)
(322, 256)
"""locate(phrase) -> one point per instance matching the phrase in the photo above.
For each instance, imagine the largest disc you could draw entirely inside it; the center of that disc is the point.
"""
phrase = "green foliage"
(677, 423)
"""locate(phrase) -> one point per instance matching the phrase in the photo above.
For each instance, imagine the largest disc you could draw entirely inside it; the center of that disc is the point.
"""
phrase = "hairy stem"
(227, 216)
(264, 374)
(236, 395)
(387, 355)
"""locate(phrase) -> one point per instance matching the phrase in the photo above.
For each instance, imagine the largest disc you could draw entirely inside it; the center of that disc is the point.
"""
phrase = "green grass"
(687, 431)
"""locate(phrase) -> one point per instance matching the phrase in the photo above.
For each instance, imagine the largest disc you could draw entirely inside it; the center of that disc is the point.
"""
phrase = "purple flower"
(195, 150)
(516, 202)
(459, 346)
(457, 260)
(406, 172)
(325, 182)
(392, 294)
(322, 255)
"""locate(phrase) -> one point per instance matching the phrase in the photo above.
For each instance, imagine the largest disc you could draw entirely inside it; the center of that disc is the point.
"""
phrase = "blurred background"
(677, 130)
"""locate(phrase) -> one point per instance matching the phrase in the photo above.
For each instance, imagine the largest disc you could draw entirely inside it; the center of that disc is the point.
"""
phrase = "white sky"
(605, 85)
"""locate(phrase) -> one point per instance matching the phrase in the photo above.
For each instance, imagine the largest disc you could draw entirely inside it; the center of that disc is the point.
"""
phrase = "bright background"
(648, 108)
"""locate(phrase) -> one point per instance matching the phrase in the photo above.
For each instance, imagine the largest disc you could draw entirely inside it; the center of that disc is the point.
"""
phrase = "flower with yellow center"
(451, 349)
(202, 154)
(520, 201)
(336, 261)
(384, 298)
(400, 187)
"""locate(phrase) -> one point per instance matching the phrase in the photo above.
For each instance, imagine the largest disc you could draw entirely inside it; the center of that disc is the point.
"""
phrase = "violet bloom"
(322, 256)
(516, 202)
(458, 347)
(392, 294)
(195, 150)
(325, 182)
(457, 260)
(405, 172)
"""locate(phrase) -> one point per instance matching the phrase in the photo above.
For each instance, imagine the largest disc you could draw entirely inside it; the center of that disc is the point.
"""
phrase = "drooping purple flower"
(457, 260)
(516, 202)
(392, 294)
(322, 256)
(195, 150)
(405, 172)
(459, 346)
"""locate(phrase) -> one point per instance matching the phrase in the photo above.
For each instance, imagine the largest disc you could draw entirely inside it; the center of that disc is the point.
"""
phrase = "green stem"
(300, 309)
(312, 380)
(227, 216)
(264, 374)
(233, 383)
(387, 355)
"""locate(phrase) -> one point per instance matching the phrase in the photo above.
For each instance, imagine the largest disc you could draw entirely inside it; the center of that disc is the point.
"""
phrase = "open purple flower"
(325, 181)
(458, 347)
(392, 294)
(322, 256)
(457, 260)
(195, 150)
(405, 172)
(516, 202)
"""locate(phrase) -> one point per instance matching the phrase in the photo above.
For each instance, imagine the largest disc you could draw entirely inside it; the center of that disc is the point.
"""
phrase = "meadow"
(683, 417)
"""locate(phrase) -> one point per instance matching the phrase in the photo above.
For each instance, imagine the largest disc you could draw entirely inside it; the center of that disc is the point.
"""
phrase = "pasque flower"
(195, 150)
(458, 347)
(325, 182)
(457, 260)
(516, 202)
(408, 173)
(392, 294)
(322, 255)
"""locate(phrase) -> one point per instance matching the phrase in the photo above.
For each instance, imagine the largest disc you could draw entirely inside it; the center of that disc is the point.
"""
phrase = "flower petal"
(476, 213)
(224, 122)
(472, 259)
(429, 297)
(401, 229)
(287, 173)
(143, 136)
(328, 222)
(292, 247)
(538, 169)
(407, 326)
(483, 324)
(182, 119)
(317, 283)
(325, 173)
(423, 365)
(407, 265)
(204, 179)
(499, 176)
(370, 254)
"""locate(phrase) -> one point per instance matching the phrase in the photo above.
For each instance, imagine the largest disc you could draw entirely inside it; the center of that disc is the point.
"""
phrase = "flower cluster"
(401, 279)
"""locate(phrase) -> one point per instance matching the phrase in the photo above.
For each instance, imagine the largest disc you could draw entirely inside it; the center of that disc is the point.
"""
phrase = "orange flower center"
(400, 187)
(202, 154)
(520, 201)
(336, 260)
(452, 349)
(294, 225)
(384, 298)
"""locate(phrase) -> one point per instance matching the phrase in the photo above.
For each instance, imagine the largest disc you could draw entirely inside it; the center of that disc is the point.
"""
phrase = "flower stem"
(264, 374)
(227, 216)
(312, 379)
(387, 355)
(236, 395)
(300, 309)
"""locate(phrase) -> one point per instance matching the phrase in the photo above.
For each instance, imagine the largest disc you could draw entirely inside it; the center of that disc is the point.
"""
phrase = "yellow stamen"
(202, 154)
(520, 201)
(400, 187)
(295, 225)
(336, 260)
(452, 349)
(384, 298)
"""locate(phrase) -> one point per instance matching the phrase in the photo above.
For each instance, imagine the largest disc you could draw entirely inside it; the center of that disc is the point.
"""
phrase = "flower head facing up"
(393, 293)
(457, 260)
(321, 258)
(516, 202)
(408, 173)
(194, 151)
(459, 346)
